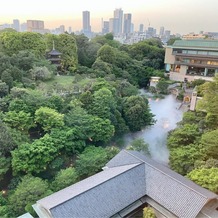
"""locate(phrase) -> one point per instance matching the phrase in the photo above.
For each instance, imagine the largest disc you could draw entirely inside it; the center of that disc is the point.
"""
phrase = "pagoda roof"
(54, 52)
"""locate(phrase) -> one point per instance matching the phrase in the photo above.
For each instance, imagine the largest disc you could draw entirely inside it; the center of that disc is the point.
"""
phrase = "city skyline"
(182, 17)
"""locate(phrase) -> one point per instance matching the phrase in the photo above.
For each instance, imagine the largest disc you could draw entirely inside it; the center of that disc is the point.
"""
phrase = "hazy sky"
(182, 16)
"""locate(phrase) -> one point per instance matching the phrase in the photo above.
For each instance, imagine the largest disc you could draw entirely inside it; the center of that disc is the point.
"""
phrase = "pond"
(167, 115)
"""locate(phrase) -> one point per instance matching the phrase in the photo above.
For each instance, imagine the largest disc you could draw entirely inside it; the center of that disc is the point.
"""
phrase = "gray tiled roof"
(128, 177)
(106, 193)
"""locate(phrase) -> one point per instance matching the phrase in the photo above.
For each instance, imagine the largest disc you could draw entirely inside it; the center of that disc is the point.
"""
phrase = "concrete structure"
(16, 25)
(127, 24)
(86, 24)
(192, 59)
(118, 17)
(35, 26)
(130, 181)
(105, 28)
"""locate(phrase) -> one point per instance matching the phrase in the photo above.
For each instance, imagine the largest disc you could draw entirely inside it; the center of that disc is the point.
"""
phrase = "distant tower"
(70, 29)
(161, 33)
(141, 28)
(118, 21)
(127, 23)
(35, 26)
(86, 23)
(105, 28)
(16, 25)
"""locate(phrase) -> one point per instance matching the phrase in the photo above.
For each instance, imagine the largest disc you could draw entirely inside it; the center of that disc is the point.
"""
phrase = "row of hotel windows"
(195, 52)
(193, 61)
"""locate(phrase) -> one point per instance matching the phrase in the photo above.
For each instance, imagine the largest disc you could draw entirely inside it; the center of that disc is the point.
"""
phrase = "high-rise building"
(69, 29)
(127, 23)
(161, 33)
(86, 23)
(35, 26)
(141, 28)
(105, 28)
(118, 21)
(16, 25)
(23, 27)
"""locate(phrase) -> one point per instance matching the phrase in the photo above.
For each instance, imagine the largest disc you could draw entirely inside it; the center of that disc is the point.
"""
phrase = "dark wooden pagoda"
(55, 57)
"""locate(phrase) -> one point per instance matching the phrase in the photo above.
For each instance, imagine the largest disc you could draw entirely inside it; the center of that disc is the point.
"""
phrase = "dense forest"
(57, 128)
(194, 144)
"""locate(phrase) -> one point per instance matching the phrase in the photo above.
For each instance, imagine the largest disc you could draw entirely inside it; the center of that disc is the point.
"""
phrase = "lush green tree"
(209, 103)
(49, 118)
(136, 112)
(20, 120)
(207, 178)
(6, 140)
(13, 42)
(182, 159)
(126, 89)
(67, 46)
(148, 212)
(29, 190)
(4, 89)
(41, 73)
(71, 139)
(209, 142)
(5, 163)
(7, 78)
(91, 127)
(92, 159)
(64, 178)
(183, 136)
(107, 54)
(35, 157)
(211, 162)
(103, 103)
(162, 86)
(24, 60)
(139, 145)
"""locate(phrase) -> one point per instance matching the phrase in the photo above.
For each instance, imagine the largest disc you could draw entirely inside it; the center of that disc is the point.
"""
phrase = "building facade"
(35, 26)
(127, 24)
(86, 23)
(118, 17)
(192, 59)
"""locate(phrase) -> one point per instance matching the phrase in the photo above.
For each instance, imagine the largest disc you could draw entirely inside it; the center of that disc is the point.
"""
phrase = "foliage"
(49, 118)
(41, 73)
(162, 87)
(183, 136)
(139, 145)
(13, 42)
(4, 89)
(209, 142)
(7, 78)
(35, 157)
(210, 103)
(5, 164)
(107, 54)
(207, 178)
(6, 140)
(136, 112)
(148, 212)
(91, 160)
(182, 159)
(20, 120)
(29, 190)
(64, 178)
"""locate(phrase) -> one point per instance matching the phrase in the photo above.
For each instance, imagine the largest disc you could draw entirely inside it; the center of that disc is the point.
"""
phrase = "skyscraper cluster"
(119, 24)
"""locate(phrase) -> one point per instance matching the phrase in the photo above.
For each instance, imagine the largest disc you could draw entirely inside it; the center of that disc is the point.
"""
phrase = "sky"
(179, 16)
